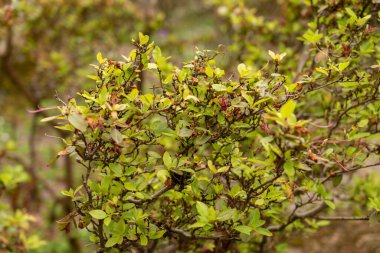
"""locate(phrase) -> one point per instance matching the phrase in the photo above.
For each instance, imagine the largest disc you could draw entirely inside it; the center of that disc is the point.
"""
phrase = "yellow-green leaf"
(112, 241)
(143, 240)
(247, 97)
(202, 209)
(342, 66)
(219, 87)
(212, 167)
(288, 108)
(167, 160)
(143, 38)
(100, 58)
(244, 229)
(50, 118)
(263, 231)
(98, 214)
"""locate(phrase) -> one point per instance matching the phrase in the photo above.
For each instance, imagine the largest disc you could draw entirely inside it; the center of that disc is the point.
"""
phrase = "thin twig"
(342, 218)
(203, 237)
(153, 197)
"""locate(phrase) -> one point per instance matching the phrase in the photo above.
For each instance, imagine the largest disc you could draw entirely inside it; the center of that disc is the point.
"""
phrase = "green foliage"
(16, 234)
(205, 156)
(240, 149)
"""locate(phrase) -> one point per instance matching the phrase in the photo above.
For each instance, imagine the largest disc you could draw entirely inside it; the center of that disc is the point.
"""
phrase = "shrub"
(16, 234)
(211, 161)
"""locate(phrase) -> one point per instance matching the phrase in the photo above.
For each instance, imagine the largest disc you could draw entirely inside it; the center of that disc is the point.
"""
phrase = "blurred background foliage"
(46, 48)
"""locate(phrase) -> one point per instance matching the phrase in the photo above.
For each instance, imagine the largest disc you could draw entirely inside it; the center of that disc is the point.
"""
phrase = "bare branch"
(342, 218)
(337, 173)
(153, 197)
(204, 237)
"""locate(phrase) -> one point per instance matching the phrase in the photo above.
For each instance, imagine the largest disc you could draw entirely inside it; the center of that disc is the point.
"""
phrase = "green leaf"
(342, 66)
(322, 70)
(223, 169)
(152, 65)
(244, 229)
(363, 123)
(116, 168)
(351, 13)
(100, 58)
(50, 118)
(167, 160)
(185, 132)
(312, 37)
(143, 240)
(66, 127)
(219, 87)
(211, 166)
(243, 70)
(247, 97)
(263, 231)
(359, 135)
(337, 180)
(133, 94)
(140, 195)
(69, 193)
(156, 54)
(154, 154)
(198, 224)
(77, 121)
(112, 241)
(289, 169)
(98, 214)
(147, 99)
(120, 107)
(200, 140)
(103, 95)
(157, 235)
(130, 186)
(120, 227)
(272, 54)
(143, 39)
(226, 215)
(96, 78)
(288, 108)
(374, 203)
(209, 72)
(202, 209)
(259, 202)
(194, 98)
(363, 20)
(330, 204)
(116, 136)
(106, 182)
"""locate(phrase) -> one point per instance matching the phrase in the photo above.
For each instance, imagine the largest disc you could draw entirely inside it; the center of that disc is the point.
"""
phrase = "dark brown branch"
(203, 237)
(342, 218)
(153, 197)
(296, 216)
(337, 173)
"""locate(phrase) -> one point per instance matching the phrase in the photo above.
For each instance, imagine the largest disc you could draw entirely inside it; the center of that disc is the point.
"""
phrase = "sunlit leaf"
(98, 214)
